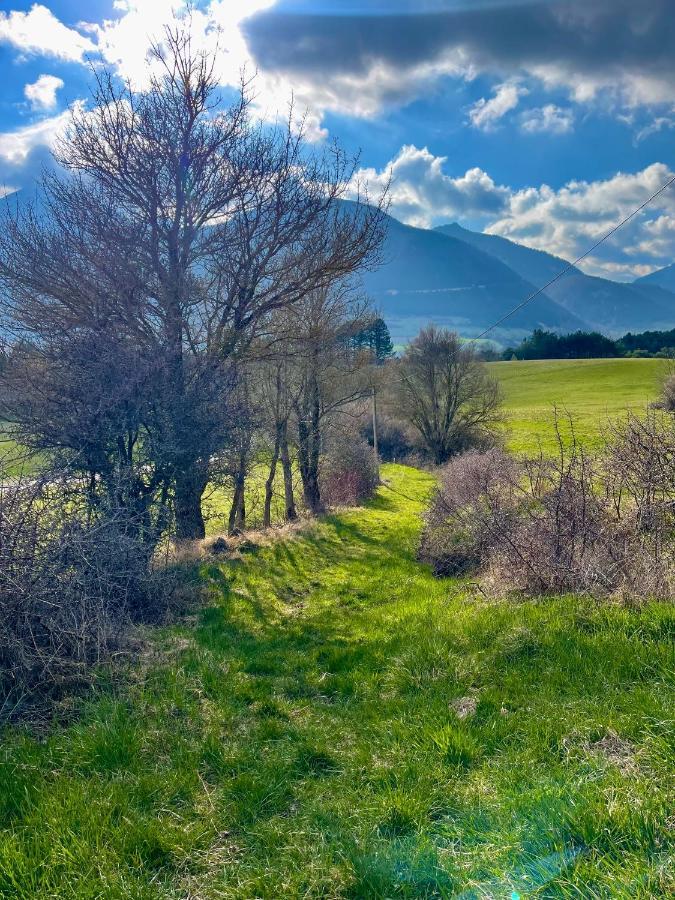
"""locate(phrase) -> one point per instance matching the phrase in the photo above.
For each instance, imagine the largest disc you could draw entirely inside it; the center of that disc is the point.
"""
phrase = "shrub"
(349, 473)
(473, 504)
(563, 538)
(574, 523)
(667, 400)
(69, 584)
(394, 441)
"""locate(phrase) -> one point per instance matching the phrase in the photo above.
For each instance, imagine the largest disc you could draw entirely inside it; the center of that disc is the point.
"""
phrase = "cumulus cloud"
(17, 146)
(485, 114)
(422, 194)
(125, 41)
(41, 94)
(39, 32)
(564, 221)
(611, 46)
(360, 65)
(549, 119)
(568, 220)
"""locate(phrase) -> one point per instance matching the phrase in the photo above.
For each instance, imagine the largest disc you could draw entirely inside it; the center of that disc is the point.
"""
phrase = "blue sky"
(542, 120)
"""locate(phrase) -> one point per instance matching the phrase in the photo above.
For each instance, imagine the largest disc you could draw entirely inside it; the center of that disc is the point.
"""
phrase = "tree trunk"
(189, 488)
(312, 492)
(237, 517)
(269, 484)
(309, 450)
(291, 513)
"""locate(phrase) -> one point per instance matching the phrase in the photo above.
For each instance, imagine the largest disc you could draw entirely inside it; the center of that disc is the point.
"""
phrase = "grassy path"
(300, 738)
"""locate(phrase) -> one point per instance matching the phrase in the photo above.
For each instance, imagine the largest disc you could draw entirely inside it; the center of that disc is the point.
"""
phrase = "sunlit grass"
(298, 738)
(591, 390)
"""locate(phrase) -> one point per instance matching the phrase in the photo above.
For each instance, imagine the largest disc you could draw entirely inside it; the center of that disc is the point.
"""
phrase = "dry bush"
(70, 583)
(600, 525)
(478, 495)
(666, 398)
(564, 538)
(667, 401)
(348, 473)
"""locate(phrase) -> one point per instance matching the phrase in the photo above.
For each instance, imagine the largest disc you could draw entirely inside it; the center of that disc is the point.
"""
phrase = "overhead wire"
(573, 265)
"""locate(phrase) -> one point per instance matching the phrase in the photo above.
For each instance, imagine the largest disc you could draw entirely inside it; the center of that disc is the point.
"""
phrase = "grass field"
(590, 389)
(336, 723)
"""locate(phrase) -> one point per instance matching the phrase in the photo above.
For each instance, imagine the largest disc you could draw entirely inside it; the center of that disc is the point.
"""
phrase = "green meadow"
(333, 721)
(590, 390)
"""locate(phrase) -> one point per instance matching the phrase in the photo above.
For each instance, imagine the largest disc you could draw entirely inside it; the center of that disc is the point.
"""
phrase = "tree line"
(543, 344)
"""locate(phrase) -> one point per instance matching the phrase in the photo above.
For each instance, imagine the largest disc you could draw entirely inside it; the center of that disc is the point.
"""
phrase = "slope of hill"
(608, 306)
(591, 390)
(662, 278)
(427, 275)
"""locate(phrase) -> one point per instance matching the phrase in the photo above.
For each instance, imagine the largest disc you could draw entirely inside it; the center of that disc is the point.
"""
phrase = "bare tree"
(179, 227)
(446, 393)
(275, 399)
(328, 375)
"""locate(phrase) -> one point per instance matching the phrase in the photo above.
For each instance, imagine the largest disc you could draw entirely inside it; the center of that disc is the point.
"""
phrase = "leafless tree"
(177, 229)
(446, 393)
(276, 401)
(327, 375)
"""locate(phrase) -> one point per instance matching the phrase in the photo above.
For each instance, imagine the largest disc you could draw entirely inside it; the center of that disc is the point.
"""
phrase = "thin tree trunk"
(269, 484)
(309, 451)
(237, 517)
(290, 513)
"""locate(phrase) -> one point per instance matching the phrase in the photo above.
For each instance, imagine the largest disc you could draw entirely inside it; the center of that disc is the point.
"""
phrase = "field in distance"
(591, 390)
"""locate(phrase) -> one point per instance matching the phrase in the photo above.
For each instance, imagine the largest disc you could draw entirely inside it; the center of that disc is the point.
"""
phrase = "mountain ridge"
(468, 280)
(612, 307)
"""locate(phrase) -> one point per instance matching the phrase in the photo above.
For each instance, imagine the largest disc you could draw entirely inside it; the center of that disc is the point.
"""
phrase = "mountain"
(608, 306)
(430, 276)
(663, 278)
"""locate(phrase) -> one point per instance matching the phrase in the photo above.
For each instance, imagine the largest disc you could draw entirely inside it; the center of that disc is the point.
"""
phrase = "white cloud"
(565, 222)
(485, 114)
(422, 194)
(568, 220)
(550, 119)
(658, 238)
(660, 123)
(628, 88)
(42, 93)
(39, 32)
(16, 146)
(125, 42)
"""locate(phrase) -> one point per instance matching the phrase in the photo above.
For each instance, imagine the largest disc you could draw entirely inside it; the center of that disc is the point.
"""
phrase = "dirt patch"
(615, 750)
(464, 707)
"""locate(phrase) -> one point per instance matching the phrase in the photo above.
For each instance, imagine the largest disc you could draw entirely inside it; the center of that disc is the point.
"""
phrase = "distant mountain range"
(663, 278)
(467, 280)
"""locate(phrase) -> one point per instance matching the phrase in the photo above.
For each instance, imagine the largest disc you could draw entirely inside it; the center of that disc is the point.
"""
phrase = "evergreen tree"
(375, 338)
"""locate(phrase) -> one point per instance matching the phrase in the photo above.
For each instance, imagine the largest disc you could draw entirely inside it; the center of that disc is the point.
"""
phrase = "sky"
(545, 121)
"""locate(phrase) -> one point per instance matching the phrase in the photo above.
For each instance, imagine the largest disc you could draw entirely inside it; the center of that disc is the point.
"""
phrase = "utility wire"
(572, 265)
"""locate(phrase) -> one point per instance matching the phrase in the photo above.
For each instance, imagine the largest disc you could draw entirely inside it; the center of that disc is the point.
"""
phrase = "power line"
(572, 265)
